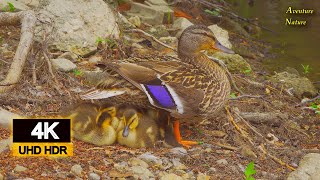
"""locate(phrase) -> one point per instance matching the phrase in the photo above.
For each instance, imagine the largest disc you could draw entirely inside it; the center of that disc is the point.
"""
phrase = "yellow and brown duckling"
(187, 87)
(140, 130)
(92, 124)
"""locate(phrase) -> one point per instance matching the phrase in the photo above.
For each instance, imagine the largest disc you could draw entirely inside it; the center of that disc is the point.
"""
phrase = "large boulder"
(221, 34)
(309, 168)
(234, 62)
(301, 86)
(78, 23)
(153, 12)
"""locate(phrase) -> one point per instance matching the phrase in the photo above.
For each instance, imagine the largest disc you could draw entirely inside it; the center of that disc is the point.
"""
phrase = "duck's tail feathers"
(101, 94)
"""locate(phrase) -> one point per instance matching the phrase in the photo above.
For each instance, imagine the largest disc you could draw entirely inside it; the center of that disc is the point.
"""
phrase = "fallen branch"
(307, 101)
(152, 37)
(250, 96)
(253, 145)
(27, 20)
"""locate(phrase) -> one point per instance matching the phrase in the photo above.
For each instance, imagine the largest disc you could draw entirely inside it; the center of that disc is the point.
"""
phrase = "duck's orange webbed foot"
(185, 143)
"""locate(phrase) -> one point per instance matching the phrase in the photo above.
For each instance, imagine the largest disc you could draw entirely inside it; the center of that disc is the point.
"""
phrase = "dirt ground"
(297, 132)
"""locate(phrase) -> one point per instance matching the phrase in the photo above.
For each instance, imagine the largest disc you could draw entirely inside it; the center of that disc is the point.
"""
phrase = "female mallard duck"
(92, 124)
(140, 130)
(189, 86)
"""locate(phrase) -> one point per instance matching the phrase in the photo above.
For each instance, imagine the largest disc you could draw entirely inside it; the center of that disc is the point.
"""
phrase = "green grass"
(306, 69)
(77, 72)
(250, 171)
(215, 12)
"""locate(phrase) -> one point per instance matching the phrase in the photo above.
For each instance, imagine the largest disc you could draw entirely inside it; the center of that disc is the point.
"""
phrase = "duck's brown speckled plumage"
(201, 84)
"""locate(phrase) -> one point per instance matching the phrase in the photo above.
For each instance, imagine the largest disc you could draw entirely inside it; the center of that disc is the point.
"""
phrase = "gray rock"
(181, 23)
(149, 158)
(222, 161)
(309, 168)
(234, 62)
(78, 23)
(70, 56)
(221, 34)
(151, 13)
(179, 151)
(19, 168)
(171, 176)
(76, 169)
(301, 86)
(95, 59)
(138, 162)
(63, 65)
(135, 20)
(178, 165)
(94, 77)
(94, 176)
(141, 172)
(5, 145)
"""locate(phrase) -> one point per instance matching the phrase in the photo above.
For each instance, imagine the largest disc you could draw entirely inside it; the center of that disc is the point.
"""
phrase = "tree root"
(27, 20)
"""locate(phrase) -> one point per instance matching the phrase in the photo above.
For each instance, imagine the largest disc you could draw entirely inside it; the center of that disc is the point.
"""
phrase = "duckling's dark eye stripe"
(102, 117)
(160, 95)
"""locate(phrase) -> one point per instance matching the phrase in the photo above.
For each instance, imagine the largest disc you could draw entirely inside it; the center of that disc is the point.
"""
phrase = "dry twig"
(259, 148)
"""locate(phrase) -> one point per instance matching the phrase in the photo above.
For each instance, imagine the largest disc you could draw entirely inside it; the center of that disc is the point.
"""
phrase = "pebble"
(222, 161)
(63, 65)
(171, 176)
(19, 168)
(138, 162)
(76, 169)
(4, 145)
(202, 176)
(94, 176)
(135, 20)
(178, 165)
(121, 166)
(149, 158)
(141, 172)
(179, 151)
(95, 59)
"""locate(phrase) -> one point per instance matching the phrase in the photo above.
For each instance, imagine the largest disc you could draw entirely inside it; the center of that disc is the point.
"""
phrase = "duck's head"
(130, 119)
(198, 38)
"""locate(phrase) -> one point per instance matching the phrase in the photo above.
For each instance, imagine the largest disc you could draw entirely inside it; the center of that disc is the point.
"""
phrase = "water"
(293, 45)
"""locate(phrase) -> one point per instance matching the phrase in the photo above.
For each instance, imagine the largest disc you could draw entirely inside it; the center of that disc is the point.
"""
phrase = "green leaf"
(247, 71)
(233, 95)
(250, 171)
(99, 40)
(11, 7)
(314, 106)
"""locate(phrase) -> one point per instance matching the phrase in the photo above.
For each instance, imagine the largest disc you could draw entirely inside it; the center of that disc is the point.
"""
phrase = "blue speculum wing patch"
(161, 95)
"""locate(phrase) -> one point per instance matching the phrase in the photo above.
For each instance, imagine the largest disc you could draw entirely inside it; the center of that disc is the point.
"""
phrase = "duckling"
(112, 110)
(165, 123)
(92, 124)
(140, 130)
